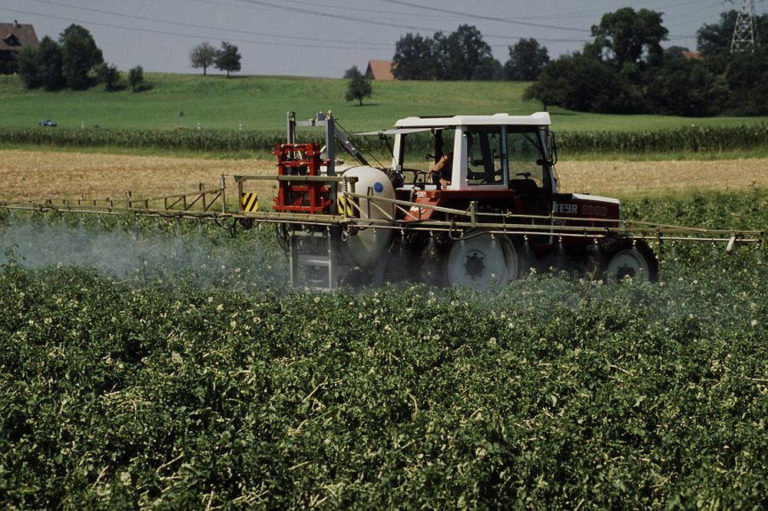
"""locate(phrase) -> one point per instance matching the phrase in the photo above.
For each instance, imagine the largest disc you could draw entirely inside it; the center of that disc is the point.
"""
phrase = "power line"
(208, 27)
(487, 18)
(384, 23)
(178, 34)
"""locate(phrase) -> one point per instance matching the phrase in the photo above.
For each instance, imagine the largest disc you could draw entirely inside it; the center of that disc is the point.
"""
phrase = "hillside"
(260, 103)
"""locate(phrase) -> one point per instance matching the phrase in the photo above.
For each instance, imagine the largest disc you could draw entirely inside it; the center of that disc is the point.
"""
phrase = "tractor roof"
(537, 119)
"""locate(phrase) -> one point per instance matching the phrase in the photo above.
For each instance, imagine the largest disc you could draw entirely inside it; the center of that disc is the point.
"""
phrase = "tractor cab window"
(526, 159)
(421, 152)
(485, 156)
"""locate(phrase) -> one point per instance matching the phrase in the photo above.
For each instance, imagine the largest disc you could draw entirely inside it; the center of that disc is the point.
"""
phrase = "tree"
(463, 55)
(228, 58)
(415, 58)
(627, 36)
(41, 65)
(581, 82)
(27, 67)
(80, 56)
(359, 86)
(203, 56)
(136, 78)
(351, 72)
(50, 67)
(526, 60)
(685, 87)
(109, 76)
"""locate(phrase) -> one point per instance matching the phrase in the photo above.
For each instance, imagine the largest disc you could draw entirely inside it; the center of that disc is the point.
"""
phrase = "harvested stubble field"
(51, 174)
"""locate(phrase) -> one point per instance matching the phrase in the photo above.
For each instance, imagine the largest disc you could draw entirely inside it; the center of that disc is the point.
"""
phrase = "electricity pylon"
(744, 32)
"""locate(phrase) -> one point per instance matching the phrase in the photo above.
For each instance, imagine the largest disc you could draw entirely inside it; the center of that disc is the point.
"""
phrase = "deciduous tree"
(50, 64)
(109, 75)
(359, 86)
(136, 78)
(627, 36)
(228, 58)
(463, 54)
(80, 56)
(415, 58)
(526, 60)
(203, 56)
(27, 60)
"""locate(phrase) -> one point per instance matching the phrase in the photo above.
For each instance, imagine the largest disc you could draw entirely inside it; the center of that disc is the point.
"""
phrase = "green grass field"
(260, 103)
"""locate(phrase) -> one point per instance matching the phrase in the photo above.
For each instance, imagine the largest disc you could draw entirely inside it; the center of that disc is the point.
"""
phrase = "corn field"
(689, 139)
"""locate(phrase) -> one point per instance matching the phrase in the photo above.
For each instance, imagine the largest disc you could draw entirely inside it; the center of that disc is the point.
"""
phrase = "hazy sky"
(325, 37)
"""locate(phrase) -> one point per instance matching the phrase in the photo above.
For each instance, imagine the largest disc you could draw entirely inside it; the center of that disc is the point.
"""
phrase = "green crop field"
(260, 103)
(159, 364)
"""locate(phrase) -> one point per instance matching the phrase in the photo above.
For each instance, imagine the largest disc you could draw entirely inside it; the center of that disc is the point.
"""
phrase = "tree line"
(74, 61)
(624, 69)
(464, 55)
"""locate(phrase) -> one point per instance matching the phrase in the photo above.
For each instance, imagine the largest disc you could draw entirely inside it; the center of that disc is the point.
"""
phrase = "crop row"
(139, 387)
(688, 139)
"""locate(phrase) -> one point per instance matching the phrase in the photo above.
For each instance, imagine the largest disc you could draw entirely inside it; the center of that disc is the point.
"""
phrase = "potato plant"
(178, 388)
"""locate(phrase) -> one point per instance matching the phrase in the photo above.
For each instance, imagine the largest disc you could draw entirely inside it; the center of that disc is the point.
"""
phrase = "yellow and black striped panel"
(249, 202)
(341, 202)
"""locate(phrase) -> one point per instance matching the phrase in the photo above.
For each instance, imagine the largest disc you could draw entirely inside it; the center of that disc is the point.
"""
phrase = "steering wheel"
(526, 175)
(416, 173)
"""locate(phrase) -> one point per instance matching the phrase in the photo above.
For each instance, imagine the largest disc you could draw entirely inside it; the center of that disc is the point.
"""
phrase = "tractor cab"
(491, 152)
(506, 162)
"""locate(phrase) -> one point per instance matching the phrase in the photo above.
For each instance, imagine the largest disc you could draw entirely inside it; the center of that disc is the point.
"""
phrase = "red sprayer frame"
(312, 197)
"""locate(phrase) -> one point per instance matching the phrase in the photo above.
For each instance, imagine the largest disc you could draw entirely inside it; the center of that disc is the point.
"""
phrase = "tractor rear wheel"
(635, 260)
(484, 260)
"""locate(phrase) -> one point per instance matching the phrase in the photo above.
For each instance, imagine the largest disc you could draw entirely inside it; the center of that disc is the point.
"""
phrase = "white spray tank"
(369, 244)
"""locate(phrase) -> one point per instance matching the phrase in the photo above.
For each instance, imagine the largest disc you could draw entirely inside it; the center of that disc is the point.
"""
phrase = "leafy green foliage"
(80, 56)
(136, 79)
(42, 65)
(551, 393)
(625, 70)
(460, 55)
(359, 86)
(228, 58)
(203, 56)
(626, 36)
(527, 58)
(415, 58)
(108, 75)
(714, 40)
(694, 139)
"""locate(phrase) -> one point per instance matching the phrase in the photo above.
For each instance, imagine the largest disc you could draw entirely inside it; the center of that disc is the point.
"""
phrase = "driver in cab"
(441, 171)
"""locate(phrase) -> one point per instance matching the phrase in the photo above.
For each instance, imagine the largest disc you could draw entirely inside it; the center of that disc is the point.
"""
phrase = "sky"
(325, 37)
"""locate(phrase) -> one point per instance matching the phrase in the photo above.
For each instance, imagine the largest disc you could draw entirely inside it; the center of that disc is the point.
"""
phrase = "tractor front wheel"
(635, 260)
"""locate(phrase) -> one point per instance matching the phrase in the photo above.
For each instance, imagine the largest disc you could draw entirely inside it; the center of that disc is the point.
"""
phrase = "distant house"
(13, 37)
(691, 55)
(380, 70)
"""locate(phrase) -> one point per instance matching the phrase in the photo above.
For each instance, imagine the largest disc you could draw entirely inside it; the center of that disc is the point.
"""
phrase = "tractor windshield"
(525, 156)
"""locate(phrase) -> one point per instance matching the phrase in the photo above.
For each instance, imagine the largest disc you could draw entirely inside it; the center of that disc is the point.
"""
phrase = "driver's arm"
(442, 170)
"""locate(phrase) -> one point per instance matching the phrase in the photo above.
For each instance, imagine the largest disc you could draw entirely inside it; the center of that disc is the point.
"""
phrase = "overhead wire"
(208, 27)
(345, 17)
(176, 34)
(487, 18)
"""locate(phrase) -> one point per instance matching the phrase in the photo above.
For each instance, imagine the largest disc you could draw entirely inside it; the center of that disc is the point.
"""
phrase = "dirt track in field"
(48, 174)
